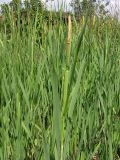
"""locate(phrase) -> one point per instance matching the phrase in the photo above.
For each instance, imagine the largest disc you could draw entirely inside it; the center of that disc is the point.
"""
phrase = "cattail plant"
(68, 50)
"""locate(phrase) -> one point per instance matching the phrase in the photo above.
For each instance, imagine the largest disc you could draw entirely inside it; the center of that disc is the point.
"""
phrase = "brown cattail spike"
(68, 45)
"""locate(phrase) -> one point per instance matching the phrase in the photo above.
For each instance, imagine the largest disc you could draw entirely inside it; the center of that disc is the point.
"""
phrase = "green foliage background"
(49, 108)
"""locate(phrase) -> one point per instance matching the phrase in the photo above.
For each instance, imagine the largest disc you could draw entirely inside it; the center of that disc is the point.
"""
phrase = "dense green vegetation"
(59, 90)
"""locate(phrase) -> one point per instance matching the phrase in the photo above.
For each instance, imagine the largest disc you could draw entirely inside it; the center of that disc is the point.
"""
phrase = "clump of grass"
(59, 101)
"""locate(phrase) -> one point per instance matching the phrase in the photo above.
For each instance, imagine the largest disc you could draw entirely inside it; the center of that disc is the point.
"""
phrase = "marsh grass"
(59, 101)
